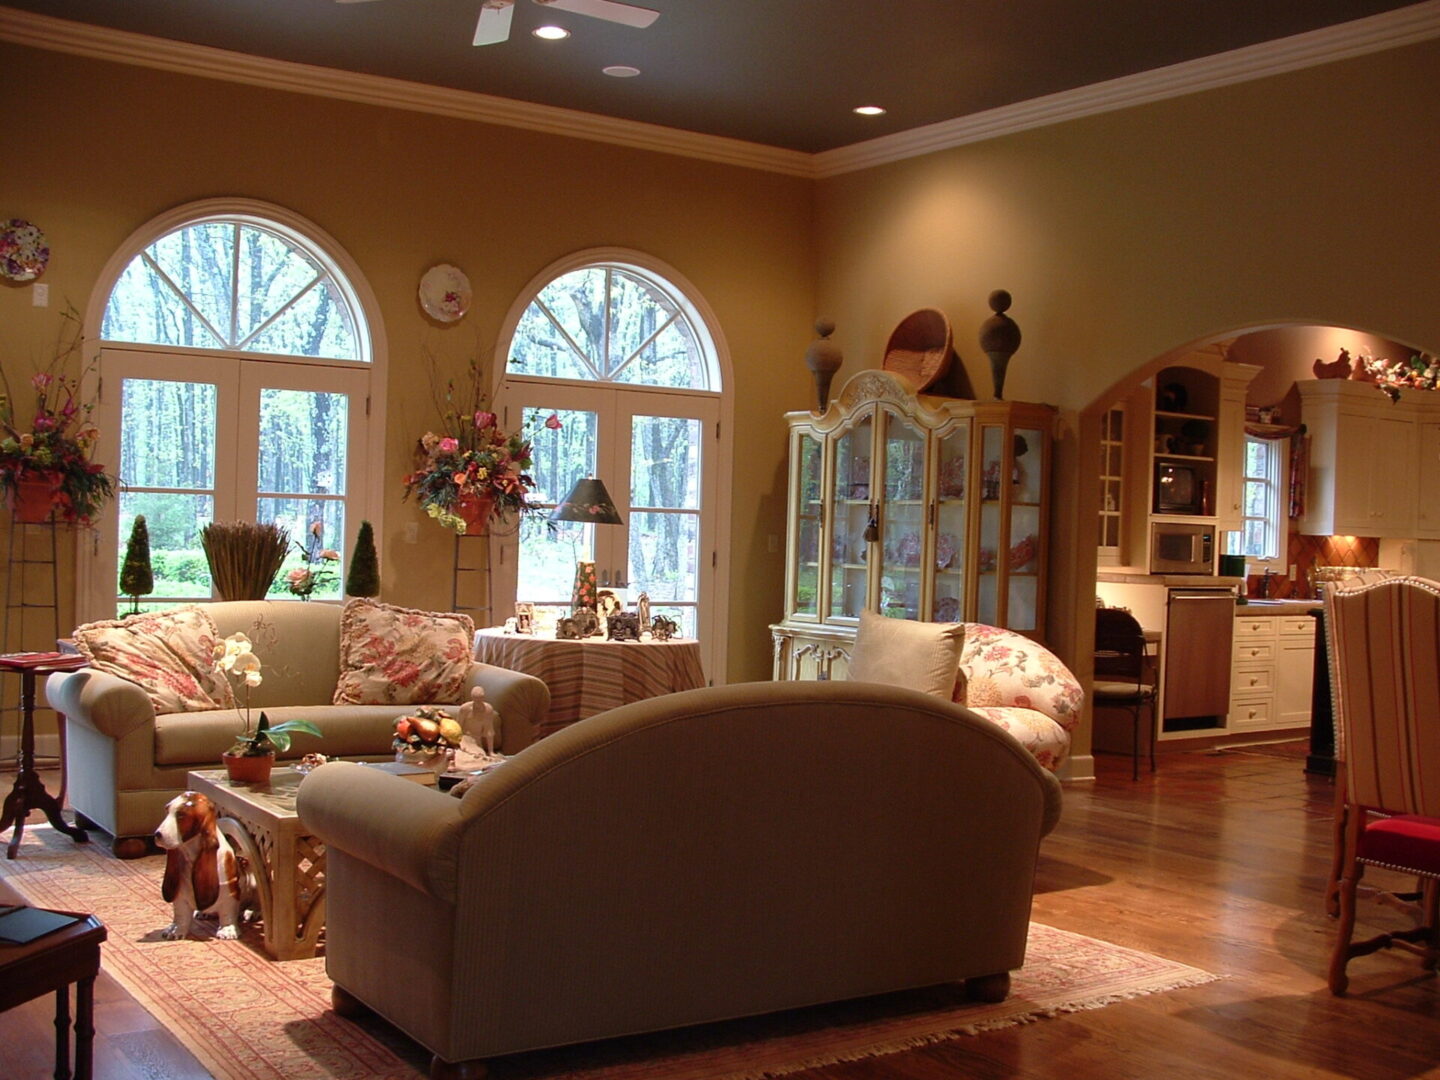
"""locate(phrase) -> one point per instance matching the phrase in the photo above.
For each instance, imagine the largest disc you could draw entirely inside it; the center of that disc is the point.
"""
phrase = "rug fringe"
(915, 1042)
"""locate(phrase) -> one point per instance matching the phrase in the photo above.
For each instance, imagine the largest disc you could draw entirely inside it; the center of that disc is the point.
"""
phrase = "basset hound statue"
(202, 872)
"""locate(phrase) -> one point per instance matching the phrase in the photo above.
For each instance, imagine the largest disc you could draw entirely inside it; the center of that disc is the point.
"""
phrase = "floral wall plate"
(445, 293)
(23, 250)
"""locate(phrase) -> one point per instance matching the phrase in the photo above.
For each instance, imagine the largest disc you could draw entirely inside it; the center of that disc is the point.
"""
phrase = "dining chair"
(1122, 675)
(1384, 644)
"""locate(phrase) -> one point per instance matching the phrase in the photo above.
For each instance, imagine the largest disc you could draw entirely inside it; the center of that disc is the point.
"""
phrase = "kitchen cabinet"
(1363, 479)
(1274, 664)
(914, 506)
(1427, 503)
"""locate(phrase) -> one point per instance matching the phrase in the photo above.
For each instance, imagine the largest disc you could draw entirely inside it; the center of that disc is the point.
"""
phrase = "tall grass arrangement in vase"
(244, 556)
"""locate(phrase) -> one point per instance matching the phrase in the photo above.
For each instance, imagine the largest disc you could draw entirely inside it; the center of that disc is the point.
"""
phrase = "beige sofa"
(705, 855)
(125, 762)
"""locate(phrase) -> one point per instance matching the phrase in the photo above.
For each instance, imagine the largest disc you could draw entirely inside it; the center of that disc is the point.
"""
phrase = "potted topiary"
(137, 579)
(364, 576)
(253, 755)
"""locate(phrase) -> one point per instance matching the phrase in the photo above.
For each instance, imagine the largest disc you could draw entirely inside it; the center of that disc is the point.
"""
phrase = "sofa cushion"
(399, 656)
(903, 652)
(169, 654)
(198, 739)
(1047, 741)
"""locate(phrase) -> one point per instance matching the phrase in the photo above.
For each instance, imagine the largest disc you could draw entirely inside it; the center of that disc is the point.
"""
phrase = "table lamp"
(588, 501)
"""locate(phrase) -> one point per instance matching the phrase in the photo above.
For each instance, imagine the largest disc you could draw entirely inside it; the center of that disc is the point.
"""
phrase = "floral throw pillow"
(169, 654)
(399, 656)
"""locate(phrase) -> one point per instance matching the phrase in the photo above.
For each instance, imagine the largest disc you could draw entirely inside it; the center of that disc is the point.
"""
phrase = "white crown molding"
(102, 43)
(1404, 26)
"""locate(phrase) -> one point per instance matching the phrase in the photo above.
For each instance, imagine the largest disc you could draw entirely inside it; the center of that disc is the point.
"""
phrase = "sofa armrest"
(408, 830)
(522, 702)
(111, 705)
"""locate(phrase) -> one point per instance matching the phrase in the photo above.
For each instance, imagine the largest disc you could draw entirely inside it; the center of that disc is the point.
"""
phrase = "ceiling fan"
(495, 15)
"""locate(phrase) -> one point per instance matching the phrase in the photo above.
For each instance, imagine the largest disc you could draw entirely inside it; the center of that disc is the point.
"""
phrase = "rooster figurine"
(1339, 368)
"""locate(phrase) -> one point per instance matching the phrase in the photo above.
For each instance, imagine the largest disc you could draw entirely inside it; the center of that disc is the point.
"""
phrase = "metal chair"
(1384, 644)
(1121, 674)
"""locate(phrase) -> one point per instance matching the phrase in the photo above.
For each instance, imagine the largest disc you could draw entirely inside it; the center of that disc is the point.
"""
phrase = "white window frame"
(1276, 517)
(504, 549)
(95, 559)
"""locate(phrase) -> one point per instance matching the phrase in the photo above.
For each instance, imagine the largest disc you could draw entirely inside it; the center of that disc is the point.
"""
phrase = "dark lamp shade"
(588, 501)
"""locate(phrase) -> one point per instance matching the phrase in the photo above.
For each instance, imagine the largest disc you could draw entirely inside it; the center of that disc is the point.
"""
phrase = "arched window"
(236, 359)
(620, 348)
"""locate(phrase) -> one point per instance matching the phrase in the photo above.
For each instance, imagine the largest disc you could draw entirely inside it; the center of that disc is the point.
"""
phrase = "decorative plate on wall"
(23, 250)
(445, 293)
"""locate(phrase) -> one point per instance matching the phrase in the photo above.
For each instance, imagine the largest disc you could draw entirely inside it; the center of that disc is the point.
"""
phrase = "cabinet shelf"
(1184, 457)
(1161, 414)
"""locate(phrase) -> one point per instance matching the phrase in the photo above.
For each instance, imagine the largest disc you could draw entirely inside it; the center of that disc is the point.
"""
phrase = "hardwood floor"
(1218, 861)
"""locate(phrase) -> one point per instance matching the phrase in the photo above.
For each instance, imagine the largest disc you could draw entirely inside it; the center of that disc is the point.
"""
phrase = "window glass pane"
(665, 462)
(303, 440)
(663, 555)
(540, 348)
(239, 287)
(670, 358)
(559, 457)
(547, 559)
(173, 523)
(167, 434)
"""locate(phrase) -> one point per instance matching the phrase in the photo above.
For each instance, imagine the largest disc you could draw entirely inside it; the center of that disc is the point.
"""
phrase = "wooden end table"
(287, 863)
(29, 793)
(53, 962)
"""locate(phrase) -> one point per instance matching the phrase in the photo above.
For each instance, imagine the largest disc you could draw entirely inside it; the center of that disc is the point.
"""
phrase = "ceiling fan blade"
(609, 10)
(494, 24)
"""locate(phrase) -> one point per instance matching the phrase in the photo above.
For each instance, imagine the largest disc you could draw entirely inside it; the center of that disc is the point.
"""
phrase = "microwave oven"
(1179, 489)
(1180, 547)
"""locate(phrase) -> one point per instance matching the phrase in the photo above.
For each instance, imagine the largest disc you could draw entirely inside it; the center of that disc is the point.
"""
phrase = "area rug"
(246, 1017)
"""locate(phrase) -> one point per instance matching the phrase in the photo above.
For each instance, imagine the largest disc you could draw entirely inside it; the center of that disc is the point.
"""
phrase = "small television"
(1179, 489)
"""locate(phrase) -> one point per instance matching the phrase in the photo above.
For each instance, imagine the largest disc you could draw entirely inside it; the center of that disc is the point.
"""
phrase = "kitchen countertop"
(1276, 607)
(1125, 576)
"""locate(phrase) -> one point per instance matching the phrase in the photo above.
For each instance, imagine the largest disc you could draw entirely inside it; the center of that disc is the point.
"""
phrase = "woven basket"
(919, 348)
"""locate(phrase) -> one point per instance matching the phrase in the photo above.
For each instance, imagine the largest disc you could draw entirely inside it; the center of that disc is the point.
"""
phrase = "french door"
(655, 451)
(197, 438)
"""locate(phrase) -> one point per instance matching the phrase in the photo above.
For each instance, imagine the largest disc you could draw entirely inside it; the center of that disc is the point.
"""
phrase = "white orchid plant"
(235, 658)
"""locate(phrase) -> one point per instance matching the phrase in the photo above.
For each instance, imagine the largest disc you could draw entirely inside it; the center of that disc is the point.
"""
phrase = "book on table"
(22, 925)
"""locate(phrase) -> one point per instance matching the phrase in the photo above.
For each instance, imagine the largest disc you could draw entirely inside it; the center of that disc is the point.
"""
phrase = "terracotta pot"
(249, 769)
(475, 511)
(32, 499)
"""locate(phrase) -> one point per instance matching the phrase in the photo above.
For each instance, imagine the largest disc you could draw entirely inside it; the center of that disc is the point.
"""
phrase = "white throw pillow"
(903, 652)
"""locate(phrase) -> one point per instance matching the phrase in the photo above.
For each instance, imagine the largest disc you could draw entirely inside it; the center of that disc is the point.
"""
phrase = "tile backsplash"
(1308, 551)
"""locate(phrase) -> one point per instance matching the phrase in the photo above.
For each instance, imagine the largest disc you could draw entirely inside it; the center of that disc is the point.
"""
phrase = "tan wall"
(1307, 197)
(107, 147)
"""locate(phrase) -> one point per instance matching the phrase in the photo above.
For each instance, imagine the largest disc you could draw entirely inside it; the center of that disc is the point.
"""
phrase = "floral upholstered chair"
(1010, 680)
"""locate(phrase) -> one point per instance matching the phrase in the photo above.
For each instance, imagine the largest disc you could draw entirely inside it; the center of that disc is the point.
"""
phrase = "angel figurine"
(477, 720)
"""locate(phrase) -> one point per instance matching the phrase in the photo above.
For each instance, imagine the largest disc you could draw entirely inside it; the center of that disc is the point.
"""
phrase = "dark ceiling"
(783, 73)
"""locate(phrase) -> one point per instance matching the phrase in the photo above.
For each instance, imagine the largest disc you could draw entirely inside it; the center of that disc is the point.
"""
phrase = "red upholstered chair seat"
(1404, 840)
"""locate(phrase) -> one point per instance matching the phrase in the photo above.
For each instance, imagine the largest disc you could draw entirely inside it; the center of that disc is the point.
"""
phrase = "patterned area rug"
(248, 1018)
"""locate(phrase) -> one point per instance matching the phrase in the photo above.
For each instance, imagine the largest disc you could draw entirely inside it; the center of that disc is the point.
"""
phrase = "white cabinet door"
(1294, 674)
(1427, 509)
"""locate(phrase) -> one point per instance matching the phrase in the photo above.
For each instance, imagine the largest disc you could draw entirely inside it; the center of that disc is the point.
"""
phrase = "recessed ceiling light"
(551, 33)
(868, 110)
(621, 71)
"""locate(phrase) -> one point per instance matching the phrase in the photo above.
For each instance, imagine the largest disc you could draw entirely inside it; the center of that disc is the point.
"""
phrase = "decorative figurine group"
(607, 619)
(1420, 372)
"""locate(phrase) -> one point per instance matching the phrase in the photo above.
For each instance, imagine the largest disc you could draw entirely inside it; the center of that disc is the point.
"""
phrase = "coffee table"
(287, 864)
(52, 963)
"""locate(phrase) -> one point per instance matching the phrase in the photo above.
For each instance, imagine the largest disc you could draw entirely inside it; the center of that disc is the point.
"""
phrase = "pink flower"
(553, 422)
(316, 528)
(449, 445)
(459, 478)
(41, 380)
(297, 576)
(484, 420)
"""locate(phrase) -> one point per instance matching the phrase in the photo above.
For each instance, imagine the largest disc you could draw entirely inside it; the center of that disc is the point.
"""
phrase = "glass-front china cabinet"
(914, 506)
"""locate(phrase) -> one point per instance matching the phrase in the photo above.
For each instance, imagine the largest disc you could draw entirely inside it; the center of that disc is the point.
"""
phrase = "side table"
(53, 962)
(29, 792)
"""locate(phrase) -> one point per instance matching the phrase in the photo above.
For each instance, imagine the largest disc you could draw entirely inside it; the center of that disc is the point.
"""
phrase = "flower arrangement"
(48, 438)
(430, 731)
(237, 660)
(318, 570)
(471, 461)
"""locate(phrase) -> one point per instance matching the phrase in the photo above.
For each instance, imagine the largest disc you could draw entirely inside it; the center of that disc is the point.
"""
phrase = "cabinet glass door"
(903, 517)
(992, 525)
(952, 456)
(849, 514)
(806, 513)
(1023, 561)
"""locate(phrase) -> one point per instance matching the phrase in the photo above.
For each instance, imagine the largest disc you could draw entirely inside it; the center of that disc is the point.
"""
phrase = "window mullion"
(180, 293)
(645, 344)
(279, 311)
(574, 346)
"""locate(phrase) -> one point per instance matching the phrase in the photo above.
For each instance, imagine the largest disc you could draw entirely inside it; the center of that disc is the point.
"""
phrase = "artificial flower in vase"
(252, 756)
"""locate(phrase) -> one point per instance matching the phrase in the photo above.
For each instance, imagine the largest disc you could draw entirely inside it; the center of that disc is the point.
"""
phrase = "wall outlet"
(412, 532)
(1294, 571)
(40, 295)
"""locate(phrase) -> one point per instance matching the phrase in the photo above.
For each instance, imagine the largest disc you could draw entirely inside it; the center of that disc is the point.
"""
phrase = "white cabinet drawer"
(1247, 652)
(1254, 626)
(1297, 626)
(1246, 715)
(1252, 680)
